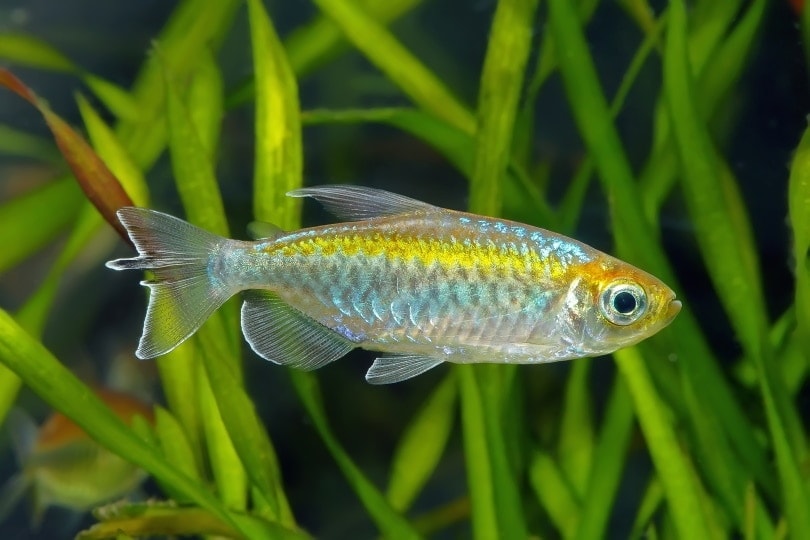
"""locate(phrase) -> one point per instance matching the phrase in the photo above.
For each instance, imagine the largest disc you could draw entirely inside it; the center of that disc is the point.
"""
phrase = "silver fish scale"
(386, 300)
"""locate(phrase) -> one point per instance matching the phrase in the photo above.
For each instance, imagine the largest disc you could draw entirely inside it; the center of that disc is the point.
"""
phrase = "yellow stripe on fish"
(428, 252)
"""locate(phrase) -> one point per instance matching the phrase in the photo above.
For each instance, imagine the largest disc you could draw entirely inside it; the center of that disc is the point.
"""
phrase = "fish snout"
(672, 310)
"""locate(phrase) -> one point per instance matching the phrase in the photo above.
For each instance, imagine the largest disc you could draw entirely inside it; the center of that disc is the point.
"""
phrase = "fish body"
(421, 283)
(63, 466)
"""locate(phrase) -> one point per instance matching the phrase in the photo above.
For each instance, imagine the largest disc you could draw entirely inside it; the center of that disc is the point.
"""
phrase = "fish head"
(619, 305)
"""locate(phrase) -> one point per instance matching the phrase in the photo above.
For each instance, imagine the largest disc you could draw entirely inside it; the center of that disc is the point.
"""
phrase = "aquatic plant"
(719, 466)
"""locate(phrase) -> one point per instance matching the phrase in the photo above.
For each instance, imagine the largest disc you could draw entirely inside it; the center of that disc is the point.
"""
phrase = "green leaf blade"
(392, 58)
(278, 158)
(422, 444)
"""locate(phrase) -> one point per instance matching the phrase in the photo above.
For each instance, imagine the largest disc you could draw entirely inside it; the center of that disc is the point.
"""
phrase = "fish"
(423, 285)
(62, 466)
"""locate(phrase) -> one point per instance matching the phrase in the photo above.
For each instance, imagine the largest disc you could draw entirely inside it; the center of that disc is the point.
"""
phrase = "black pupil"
(624, 303)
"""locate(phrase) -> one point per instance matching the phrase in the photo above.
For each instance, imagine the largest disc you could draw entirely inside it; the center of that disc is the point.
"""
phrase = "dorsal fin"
(356, 203)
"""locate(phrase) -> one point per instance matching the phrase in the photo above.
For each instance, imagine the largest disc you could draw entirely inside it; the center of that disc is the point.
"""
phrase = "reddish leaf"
(100, 185)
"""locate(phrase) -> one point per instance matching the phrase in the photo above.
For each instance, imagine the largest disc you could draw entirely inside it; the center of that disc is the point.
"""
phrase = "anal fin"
(282, 334)
(392, 369)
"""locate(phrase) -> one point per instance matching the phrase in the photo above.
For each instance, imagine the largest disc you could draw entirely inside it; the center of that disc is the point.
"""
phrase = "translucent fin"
(260, 230)
(12, 492)
(284, 335)
(355, 203)
(23, 431)
(392, 369)
(182, 294)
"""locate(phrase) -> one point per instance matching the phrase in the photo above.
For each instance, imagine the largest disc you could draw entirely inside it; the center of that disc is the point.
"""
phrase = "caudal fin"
(183, 293)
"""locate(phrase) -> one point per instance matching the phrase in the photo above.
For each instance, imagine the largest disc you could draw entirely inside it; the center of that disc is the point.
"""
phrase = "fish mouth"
(673, 309)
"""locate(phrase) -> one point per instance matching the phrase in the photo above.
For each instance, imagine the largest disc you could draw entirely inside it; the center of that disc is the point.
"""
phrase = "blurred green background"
(493, 106)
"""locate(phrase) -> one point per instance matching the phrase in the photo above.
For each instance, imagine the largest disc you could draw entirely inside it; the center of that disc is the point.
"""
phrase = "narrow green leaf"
(192, 164)
(42, 213)
(206, 95)
(727, 480)
(545, 65)
(422, 445)
(110, 149)
(34, 313)
(608, 462)
(115, 98)
(176, 369)
(193, 26)
(383, 49)
(799, 213)
(478, 441)
(229, 472)
(443, 516)
(245, 428)
(651, 503)
(728, 60)
(32, 52)
(722, 227)
(320, 40)
(317, 42)
(175, 445)
(10, 385)
(65, 393)
(576, 438)
(278, 159)
(715, 209)
(455, 145)
(642, 13)
(750, 512)
(14, 142)
(555, 493)
(390, 523)
(680, 483)
(571, 205)
(501, 86)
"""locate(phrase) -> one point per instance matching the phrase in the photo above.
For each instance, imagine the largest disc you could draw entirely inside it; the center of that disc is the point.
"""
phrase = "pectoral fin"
(391, 369)
(283, 335)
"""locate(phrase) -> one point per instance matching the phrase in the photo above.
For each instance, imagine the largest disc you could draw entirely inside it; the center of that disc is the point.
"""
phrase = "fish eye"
(623, 303)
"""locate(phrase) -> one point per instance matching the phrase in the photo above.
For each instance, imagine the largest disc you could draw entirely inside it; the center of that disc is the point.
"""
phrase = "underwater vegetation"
(62, 466)
(660, 132)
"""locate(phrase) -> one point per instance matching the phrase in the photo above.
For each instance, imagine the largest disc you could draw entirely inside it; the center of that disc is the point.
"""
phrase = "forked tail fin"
(183, 292)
